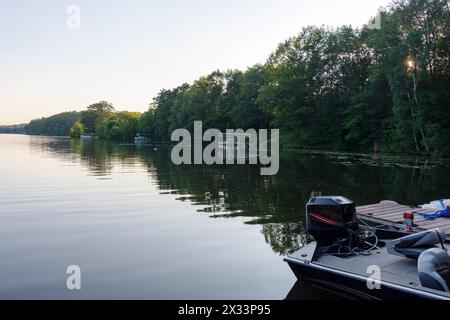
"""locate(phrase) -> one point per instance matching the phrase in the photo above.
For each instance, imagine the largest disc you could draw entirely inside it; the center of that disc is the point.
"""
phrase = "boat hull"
(353, 286)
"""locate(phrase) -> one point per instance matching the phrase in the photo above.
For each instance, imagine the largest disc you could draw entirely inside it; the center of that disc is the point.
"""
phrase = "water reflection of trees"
(98, 156)
(276, 203)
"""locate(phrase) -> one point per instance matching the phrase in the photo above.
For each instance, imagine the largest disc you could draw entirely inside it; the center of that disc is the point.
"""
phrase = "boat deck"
(398, 275)
(391, 213)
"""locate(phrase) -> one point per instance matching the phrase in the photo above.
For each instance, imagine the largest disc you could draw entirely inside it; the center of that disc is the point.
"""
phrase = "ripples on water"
(141, 227)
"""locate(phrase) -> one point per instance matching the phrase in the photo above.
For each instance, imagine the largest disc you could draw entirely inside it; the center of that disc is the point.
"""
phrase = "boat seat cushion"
(422, 239)
(413, 245)
(434, 269)
(411, 253)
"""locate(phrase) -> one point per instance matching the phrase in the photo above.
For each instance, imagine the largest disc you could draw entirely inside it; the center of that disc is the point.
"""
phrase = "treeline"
(16, 129)
(99, 119)
(57, 125)
(102, 120)
(381, 89)
(384, 89)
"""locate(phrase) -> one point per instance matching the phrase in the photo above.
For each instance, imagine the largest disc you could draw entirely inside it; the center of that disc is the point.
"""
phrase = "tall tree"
(95, 114)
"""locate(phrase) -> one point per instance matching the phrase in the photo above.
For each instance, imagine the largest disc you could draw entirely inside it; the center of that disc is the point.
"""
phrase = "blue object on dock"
(434, 216)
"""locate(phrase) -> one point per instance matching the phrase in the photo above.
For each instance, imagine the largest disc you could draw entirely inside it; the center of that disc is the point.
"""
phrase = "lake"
(140, 227)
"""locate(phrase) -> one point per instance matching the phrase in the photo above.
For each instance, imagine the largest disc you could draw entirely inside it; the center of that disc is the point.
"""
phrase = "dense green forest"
(381, 89)
(102, 120)
(365, 89)
(57, 125)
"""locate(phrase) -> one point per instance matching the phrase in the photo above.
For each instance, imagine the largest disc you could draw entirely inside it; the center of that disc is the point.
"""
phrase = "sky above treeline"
(60, 56)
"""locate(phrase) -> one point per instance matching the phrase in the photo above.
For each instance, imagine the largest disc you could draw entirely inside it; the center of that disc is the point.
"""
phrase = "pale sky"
(126, 51)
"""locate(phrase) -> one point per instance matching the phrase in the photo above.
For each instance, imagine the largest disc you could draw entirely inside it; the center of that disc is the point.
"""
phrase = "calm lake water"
(140, 227)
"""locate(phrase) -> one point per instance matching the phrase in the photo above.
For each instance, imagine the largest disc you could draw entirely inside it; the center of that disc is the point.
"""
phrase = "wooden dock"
(391, 213)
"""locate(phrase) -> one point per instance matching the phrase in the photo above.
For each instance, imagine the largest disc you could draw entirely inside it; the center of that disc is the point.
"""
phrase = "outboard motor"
(329, 218)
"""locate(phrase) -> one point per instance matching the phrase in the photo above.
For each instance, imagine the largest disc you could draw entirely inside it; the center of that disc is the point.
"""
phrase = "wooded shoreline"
(359, 90)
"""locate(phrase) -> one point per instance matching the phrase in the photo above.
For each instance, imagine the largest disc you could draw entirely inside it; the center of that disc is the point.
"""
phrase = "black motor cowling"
(329, 218)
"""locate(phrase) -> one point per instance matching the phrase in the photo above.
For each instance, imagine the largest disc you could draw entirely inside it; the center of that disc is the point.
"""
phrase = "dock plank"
(392, 212)
(381, 209)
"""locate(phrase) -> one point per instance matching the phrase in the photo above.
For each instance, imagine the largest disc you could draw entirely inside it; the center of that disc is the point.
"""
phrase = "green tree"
(121, 126)
(413, 46)
(77, 129)
(56, 125)
(95, 114)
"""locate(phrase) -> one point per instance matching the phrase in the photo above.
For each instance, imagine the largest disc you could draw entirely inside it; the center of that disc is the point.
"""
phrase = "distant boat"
(141, 139)
(234, 140)
(88, 136)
